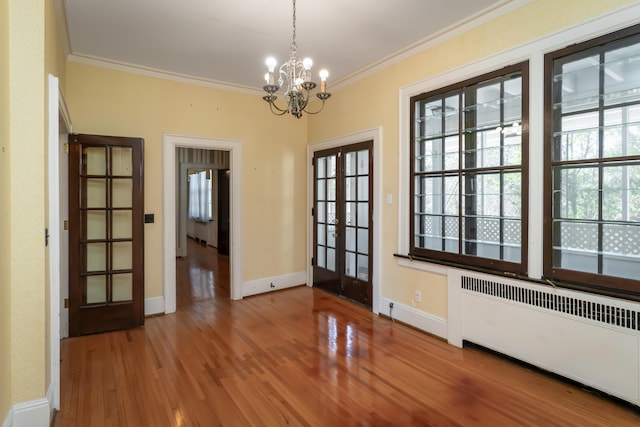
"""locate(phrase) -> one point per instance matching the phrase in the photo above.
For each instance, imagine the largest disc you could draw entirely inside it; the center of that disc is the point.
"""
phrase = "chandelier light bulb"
(271, 64)
(307, 63)
(323, 80)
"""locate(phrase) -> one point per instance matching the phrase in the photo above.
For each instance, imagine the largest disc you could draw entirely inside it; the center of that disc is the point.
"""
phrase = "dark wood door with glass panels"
(342, 215)
(106, 236)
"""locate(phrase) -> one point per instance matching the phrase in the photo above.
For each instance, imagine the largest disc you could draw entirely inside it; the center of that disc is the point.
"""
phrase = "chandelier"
(294, 77)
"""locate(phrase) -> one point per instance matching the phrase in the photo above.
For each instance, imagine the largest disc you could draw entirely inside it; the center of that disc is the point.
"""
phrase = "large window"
(200, 191)
(592, 113)
(469, 172)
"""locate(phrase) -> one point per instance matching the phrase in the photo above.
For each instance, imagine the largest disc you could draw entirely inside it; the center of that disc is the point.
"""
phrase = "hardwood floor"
(301, 357)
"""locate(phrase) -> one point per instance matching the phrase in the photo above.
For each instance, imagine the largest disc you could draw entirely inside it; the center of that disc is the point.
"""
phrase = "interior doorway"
(171, 205)
(202, 199)
(375, 271)
(342, 217)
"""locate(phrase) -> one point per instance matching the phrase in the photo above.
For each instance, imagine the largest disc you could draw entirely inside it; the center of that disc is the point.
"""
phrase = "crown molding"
(63, 25)
(162, 74)
(472, 21)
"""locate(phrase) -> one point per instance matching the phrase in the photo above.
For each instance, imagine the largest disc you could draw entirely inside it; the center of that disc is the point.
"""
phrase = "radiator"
(591, 339)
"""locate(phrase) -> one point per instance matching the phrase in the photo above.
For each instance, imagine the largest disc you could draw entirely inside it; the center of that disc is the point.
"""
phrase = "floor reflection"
(202, 275)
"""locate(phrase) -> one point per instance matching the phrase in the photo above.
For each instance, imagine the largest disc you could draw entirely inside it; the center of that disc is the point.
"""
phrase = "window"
(200, 203)
(469, 172)
(592, 181)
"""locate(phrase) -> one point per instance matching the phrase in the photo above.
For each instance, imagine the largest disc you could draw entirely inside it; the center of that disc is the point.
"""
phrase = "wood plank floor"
(301, 357)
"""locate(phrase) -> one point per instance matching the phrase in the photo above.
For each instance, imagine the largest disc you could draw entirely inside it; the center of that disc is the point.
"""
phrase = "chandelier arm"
(314, 112)
(279, 111)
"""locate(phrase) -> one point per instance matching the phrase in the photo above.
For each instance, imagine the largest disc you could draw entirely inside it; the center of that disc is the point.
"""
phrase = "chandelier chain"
(294, 47)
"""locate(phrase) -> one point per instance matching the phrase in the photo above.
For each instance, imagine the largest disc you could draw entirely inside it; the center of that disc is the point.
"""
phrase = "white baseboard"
(417, 318)
(8, 420)
(153, 305)
(50, 397)
(268, 284)
(35, 413)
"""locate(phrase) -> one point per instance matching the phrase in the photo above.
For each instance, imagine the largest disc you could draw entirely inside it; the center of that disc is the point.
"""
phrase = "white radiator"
(591, 339)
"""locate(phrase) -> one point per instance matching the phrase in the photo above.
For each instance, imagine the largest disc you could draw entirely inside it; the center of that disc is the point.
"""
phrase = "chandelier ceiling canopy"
(294, 78)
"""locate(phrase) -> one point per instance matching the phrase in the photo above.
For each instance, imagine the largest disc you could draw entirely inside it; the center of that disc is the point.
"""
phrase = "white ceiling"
(227, 41)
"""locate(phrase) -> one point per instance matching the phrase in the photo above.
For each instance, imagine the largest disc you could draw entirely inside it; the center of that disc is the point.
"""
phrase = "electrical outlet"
(418, 296)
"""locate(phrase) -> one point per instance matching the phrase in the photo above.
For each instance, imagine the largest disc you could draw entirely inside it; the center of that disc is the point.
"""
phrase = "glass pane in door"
(326, 212)
(121, 255)
(96, 256)
(96, 287)
(95, 192)
(122, 286)
(95, 226)
(94, 161)
(121, 224)
(121, 161)
(122, 190)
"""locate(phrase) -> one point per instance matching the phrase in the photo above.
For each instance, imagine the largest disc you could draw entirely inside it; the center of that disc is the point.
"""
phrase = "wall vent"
(574, 306)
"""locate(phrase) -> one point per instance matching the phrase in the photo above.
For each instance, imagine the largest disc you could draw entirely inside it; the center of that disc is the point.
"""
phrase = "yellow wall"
(55, 60)
(26, 195)
(5, 225)
(377, 105)
(108, 102)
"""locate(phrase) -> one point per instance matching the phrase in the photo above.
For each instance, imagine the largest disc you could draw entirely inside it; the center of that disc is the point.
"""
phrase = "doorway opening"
(171, 205)
(203, 223)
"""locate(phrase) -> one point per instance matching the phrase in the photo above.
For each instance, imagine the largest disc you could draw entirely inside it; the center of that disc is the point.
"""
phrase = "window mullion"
(443, 181)
(601, 154)
(502, 163)
(461, 205)
(469, 153)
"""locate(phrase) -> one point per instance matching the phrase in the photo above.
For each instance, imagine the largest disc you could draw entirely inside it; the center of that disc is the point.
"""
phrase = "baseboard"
(35, 413)
(268, 284)
(153, 306)
(52, 408)
(8, 420)
(418, 319)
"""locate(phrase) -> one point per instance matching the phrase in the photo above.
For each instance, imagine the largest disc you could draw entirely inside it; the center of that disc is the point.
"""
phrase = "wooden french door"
(106, 235)
(342, 216)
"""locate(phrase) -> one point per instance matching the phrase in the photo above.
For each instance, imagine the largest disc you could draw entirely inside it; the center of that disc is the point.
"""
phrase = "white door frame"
(374, 135)
(171, 142)
(59, 128)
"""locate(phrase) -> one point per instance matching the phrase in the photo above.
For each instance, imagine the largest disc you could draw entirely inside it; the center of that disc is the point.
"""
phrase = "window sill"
(422, 265)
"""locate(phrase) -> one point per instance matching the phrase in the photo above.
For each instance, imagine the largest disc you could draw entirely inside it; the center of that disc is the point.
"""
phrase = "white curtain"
(200, 196)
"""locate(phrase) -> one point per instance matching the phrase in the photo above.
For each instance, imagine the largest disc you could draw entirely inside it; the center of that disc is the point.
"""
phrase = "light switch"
(389, 198)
